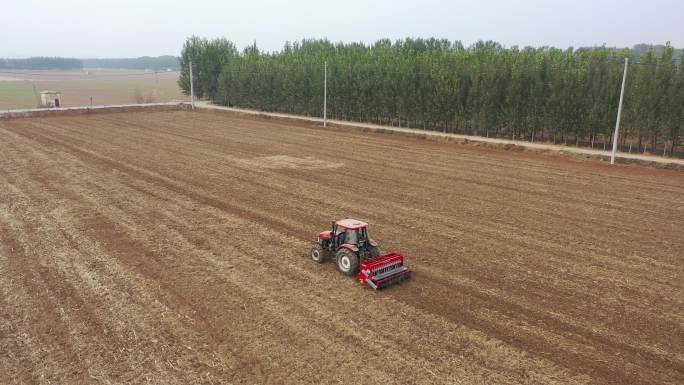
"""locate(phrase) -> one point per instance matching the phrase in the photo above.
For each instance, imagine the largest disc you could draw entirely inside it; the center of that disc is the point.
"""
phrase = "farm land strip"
(172, 247)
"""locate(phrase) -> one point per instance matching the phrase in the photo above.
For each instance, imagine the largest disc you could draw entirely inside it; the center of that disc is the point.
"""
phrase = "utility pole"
(192, 88)
(616, 137)
(325, 94)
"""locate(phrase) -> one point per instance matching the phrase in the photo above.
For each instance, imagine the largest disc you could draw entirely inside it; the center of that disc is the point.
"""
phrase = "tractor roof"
(351, 224)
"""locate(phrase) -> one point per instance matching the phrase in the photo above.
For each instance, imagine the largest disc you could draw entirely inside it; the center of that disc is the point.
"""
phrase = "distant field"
(21, 89)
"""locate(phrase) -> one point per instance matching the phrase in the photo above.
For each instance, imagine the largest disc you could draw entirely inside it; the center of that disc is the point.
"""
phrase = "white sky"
(131, 28)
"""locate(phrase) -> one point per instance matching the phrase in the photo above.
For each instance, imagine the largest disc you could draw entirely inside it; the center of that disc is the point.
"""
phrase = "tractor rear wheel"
(317, 253)
(347, 262)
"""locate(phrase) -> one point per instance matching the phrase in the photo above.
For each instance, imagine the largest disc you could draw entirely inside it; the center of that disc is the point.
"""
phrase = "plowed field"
(171, 247)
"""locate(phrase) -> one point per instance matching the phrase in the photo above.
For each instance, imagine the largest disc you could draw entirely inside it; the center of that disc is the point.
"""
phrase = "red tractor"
(357, 254)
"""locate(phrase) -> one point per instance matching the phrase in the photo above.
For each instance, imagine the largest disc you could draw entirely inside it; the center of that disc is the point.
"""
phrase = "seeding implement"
(357, 254)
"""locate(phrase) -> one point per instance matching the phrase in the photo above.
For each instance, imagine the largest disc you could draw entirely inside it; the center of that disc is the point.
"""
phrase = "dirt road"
(171, 247)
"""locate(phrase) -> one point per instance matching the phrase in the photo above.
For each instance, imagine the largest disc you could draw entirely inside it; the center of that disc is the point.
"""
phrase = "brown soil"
(70, 111)
(171, 247)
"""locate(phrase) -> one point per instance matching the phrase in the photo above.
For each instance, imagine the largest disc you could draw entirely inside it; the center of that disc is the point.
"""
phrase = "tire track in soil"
(106, 226)
(52, 319)
(518, 310)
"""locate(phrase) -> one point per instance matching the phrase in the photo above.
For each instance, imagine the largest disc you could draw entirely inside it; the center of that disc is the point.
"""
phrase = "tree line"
(539, 94)
(159, 63)
(41, 63)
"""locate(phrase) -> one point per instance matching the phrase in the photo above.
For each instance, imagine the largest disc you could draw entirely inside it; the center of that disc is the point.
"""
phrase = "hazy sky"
(127, 28)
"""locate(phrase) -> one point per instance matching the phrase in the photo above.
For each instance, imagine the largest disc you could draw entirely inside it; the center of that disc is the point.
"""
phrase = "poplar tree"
(544, 94)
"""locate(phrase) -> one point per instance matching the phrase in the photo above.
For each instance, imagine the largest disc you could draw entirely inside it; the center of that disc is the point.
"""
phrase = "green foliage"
(485, 89)
(208, 58)
(640, 49)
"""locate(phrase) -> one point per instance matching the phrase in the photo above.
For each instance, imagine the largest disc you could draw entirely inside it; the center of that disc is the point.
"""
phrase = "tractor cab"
(350, 232)
(347, 231)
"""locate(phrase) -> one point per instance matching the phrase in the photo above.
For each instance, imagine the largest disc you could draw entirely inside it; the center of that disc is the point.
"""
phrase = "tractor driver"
(352, 237)
(347, 236)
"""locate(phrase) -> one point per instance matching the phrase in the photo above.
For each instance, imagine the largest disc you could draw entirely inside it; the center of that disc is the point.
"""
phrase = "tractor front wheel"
(347, 262)
(317, 253)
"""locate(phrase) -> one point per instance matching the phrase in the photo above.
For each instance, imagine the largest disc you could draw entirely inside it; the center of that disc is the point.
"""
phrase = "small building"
(51, 99)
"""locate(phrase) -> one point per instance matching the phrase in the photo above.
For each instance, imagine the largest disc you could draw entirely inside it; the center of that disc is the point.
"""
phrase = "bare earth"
(543, 146)
(171, 247)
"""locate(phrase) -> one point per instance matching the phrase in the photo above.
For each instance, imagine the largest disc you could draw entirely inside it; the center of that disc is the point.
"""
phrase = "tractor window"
(364, 234)
(352, 237)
